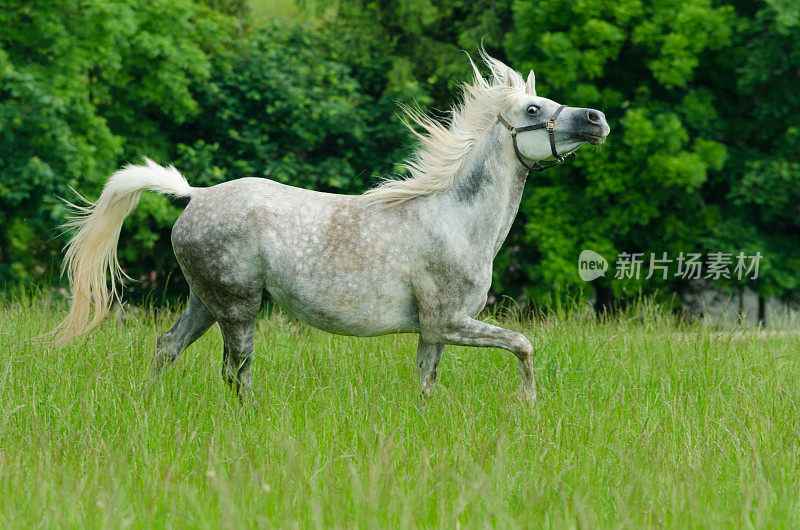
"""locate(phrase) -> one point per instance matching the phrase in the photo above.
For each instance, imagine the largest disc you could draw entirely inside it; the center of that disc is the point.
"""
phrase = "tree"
(427, 39)
(758, 193)
(283, 105)
(640, 192)
(84, 87)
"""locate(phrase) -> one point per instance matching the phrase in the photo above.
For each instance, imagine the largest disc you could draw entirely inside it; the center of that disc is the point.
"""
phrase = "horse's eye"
(533, 109)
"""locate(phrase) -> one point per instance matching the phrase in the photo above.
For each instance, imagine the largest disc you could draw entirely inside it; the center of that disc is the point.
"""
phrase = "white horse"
(412, 255)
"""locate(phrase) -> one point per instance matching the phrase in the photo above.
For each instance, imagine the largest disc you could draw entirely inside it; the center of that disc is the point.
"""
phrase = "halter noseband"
(550, 126)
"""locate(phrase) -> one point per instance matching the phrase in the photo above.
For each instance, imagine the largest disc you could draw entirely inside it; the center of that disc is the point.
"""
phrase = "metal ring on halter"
(550, 127)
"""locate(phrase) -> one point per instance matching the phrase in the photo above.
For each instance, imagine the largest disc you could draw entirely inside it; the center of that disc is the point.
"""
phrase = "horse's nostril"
(594, 117)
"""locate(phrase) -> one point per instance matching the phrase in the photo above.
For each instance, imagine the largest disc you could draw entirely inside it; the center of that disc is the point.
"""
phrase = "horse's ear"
(513, 79)
(530, 84)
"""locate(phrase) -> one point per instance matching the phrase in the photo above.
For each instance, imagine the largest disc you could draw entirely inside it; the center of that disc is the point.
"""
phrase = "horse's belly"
(350, 312)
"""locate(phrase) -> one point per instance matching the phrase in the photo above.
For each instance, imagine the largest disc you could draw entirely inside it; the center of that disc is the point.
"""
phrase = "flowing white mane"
(444, 145)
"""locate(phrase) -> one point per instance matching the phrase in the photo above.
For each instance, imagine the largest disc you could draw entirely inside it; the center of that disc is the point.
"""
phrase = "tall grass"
(639, 423)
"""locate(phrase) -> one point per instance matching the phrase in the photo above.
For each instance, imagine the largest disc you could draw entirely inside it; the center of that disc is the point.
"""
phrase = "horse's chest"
(459, 283)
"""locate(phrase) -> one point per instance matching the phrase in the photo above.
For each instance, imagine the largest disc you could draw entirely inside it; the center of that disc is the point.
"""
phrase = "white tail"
(92, 251)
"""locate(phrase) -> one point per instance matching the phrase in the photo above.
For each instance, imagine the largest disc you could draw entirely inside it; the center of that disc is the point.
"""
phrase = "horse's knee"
(521, 347)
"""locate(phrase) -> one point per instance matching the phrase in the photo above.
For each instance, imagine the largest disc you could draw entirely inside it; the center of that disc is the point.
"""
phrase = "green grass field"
(639, 423)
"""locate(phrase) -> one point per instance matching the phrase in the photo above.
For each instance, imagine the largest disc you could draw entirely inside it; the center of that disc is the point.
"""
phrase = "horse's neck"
(487, 192)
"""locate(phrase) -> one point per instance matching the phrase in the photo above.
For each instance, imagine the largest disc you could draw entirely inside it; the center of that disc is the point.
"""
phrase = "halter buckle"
(551, 125)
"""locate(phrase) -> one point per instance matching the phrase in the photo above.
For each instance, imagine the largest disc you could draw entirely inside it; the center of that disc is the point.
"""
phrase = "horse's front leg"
(465, 331)
(428, 357)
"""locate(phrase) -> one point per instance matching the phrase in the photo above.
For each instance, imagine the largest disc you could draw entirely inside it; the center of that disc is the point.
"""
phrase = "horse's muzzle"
(591, 125)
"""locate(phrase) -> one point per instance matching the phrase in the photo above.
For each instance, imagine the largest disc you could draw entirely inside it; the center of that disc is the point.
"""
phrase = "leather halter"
(550, 126)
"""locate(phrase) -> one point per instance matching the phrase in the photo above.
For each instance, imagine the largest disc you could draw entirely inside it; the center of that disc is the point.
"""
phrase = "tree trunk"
(604, 301)
(762, 311)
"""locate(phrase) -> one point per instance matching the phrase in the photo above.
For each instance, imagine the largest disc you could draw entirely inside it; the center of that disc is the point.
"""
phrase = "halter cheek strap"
(550, 126)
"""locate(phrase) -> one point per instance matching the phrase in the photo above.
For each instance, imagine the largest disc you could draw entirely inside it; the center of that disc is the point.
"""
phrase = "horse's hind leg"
(191, 325)
(235, 304)
(428, 357)
(238, 337)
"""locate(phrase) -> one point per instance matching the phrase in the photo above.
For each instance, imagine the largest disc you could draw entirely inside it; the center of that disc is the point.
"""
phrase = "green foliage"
(643, 191)
(761, 184)
(283, 105)
(701, 96)
(82, 88)
(428, 37)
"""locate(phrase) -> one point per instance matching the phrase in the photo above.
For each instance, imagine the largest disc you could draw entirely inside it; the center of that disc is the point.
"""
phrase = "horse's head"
(537, 128)
(543, 129)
